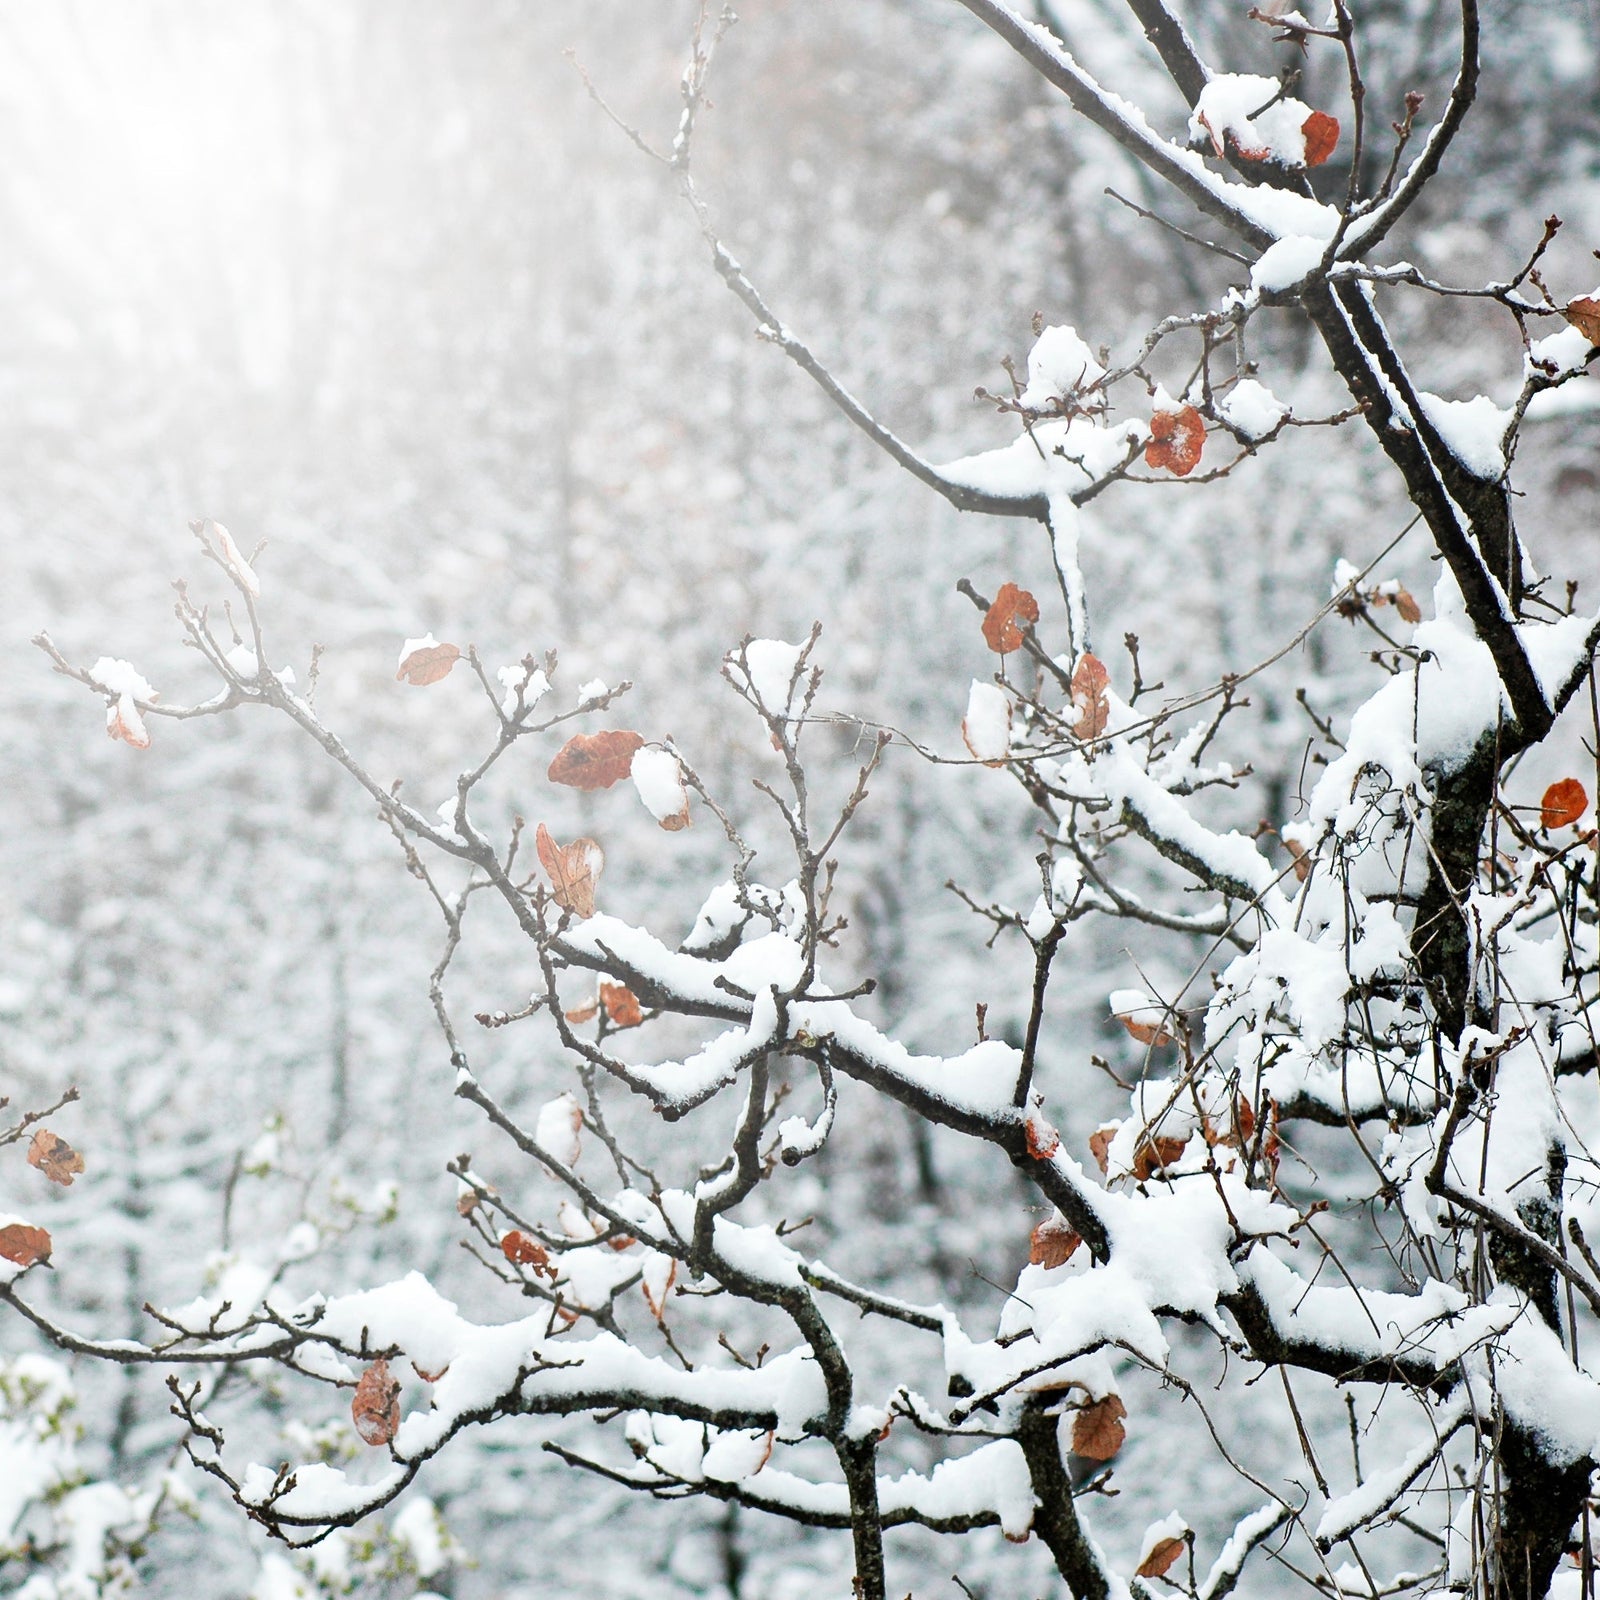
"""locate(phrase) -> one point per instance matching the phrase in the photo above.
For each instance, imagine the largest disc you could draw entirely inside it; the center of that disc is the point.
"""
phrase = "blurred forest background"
(378, 283)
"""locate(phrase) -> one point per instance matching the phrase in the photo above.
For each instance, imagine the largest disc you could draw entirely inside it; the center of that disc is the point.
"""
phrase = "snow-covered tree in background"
(1353, 1161)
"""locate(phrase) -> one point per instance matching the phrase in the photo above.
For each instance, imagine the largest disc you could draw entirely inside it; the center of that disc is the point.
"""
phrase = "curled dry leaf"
(24, 1244)
(1584, 315)
(54, 1157)
(622, 1006)
(1053, 1243)
(1406, 605)
(660, 1273)
(124, 722)
(1100, 1143)
(522, 1251)
(587, 1012)
(1302, 862)
(233, 559)
(1176, 440)
(1162, 1556)
(1089, 682)
(425, 660)
(375, 1407)
(426, 1375)
(1322, 139)
(1097, 1430)
(1003, 623)
(1155, 1153)
(622, 1241)
(572, 870)
(1563, 804)
(595, 760)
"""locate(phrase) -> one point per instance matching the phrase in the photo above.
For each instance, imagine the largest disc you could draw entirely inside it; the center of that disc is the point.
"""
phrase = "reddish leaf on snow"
(1154, 1154)
(1053, 1243)
(1322, 138)
(1162, 1556)
(1043, 1140)
(375, 1408)
(1097, 1430)
(1176, 441)
(622, 1005)
(1584, 315)
(595, 760)
(587, 1012)
(24, 1244)
(1004, 621)
(124, 722)
(1302, 861)
(1089, 681)
(517, 1247)
(426, 661)
(572, 870)
(1563, 803)
(1100, 1143)
(54, 1157)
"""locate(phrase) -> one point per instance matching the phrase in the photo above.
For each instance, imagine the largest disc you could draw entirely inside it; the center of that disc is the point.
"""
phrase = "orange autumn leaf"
(1564, 802)
(1089, 681)
(572, 870)
(1244, 1118)
(622, 1005)
(584, 1013)
(1322, 137)
(1176, 441)
(1162, 1556)
(1097, 1430)
(24, 1244)
(595, 760)
(427, 662)
(375, 1407)
(1407, 606)
(54, 1157)
(1584, 315)
(1003, 623)
(1043, 1140)
(522, 1251)
(1145, 1030)
(1053, 1243)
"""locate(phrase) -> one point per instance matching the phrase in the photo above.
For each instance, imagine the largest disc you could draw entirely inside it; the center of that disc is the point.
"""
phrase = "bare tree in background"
(1356, 1162)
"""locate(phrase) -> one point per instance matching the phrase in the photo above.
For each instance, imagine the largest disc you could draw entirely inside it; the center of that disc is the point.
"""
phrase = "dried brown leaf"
(24, 1244)
(1089, 682)
(622, 1005)
(54, 1157)
(1004, 622)
(572, 870)
(595, 760)
(1163, 1554)
(1584, 315)
(518, 1248)
(1053, 1243)
(1177, 439)
(375, 1407)
(428, 664)
(1097, 1430)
